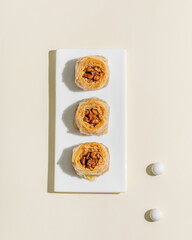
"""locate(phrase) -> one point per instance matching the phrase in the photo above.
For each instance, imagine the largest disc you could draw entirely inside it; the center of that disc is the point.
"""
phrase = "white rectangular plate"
(66, 135)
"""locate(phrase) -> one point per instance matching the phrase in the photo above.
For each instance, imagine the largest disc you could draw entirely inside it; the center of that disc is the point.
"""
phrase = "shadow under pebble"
(147, 216)
(149, 170)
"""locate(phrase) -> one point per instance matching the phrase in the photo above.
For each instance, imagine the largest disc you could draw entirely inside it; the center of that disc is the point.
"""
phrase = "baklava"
(92, 72)
(92, 116)
(90, 160)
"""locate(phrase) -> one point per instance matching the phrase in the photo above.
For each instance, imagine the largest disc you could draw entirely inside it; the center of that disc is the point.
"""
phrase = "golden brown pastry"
(90, 160)
(92, 116)
(92, 72)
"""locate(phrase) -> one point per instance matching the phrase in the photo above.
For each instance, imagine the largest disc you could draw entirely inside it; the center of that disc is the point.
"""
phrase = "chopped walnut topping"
(90, 159)
(92, 116)
(93, 73)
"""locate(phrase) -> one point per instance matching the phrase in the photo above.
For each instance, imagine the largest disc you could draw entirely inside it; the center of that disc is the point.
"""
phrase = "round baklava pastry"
(90, 160)
(92, 116)
(92, 72)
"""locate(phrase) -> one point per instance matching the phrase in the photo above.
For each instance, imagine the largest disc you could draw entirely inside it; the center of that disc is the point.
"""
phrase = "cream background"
(157, 35)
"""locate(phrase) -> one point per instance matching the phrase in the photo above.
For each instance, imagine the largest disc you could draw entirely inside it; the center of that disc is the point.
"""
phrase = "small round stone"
(157, 168)
(155, 214)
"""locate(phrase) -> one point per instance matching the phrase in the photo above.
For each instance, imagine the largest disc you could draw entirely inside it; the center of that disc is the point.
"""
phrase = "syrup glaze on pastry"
(92, 116)
(92, 72)
(90, 160)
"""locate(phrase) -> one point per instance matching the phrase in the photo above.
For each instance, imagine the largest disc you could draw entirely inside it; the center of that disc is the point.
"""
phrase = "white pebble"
(155, 214)
(157, 168)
